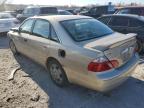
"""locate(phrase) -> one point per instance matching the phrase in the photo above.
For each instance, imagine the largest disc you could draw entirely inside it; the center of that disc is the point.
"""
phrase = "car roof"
(61, 17)
(125, 15)
(132, 7)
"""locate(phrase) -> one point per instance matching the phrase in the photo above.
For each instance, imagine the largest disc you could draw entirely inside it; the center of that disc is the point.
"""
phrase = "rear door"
(119, 24)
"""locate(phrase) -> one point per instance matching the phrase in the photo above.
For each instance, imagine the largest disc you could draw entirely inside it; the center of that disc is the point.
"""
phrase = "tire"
(139, 47)
(57, 73)
(13, 47)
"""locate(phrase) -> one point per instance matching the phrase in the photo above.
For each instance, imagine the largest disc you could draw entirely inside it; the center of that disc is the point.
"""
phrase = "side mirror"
(15, 29)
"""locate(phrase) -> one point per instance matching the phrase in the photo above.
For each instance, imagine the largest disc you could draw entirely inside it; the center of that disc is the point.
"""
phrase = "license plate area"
(122, 53)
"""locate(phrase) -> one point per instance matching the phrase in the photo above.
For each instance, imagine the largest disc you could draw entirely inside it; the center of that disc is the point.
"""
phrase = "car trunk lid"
(116, 46)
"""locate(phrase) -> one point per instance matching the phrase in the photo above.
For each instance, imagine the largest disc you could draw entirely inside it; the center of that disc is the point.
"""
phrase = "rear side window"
(119, 21)
(54, 35)
(104, 19)
(123, 11)
(48, 10)
(26, 26)
(41, 28)
(136, 11)
(135, 23)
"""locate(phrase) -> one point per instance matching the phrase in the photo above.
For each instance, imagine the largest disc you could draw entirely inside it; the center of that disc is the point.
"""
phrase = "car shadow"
(128, 95)
(4, 42)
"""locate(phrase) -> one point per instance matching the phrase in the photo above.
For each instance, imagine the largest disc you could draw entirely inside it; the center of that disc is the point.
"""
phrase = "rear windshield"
(85, 29)
(48, 10)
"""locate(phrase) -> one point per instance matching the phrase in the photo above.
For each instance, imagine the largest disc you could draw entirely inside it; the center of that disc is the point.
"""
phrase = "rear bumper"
(108, 81)
(105, 81)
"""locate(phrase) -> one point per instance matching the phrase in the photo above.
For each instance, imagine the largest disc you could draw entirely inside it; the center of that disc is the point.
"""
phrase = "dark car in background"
(71, 11)
(131, 10)
(126, 23)
(36, 10)
(19, 11)
(98, 11)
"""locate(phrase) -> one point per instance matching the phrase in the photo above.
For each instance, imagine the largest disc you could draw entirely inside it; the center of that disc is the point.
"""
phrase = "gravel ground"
(32, 87)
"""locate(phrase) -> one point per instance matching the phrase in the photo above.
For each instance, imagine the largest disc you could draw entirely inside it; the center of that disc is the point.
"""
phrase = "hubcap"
(56, 73)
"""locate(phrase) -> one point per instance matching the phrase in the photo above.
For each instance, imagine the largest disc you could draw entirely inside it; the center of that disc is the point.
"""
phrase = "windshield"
(86, 29)
(5, 15)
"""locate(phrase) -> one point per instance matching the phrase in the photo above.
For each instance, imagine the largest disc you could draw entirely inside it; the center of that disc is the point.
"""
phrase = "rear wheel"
(13, 47)
(57, 73)
(139, 47)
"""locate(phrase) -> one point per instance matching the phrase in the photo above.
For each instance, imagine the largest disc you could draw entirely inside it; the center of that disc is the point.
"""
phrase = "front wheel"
(57, 73)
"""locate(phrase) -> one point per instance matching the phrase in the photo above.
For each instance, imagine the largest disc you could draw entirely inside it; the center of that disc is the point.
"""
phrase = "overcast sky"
(68, 2)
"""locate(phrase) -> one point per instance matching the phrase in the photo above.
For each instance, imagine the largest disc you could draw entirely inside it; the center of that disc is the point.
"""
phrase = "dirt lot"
(32, 87)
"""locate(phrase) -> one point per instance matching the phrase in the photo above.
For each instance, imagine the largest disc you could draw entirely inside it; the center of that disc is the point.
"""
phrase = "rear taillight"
(102, 64)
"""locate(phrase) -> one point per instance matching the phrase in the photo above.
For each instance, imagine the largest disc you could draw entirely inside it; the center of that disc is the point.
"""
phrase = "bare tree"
(2, 7)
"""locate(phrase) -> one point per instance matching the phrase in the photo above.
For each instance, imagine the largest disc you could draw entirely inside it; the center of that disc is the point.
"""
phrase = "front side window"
(85, 29)
(119, 21)
(26, 26)
(41, 28)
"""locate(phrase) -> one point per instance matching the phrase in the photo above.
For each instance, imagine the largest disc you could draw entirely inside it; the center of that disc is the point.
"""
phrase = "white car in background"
(7, 21)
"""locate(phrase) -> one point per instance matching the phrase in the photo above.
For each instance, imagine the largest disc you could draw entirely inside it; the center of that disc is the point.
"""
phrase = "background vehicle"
(64, 12)
(13, 13)
(98, 11)
(77, 49)
(7, 21)
(127, 24)
(36, 10)
(71, 11)
(19, 11)
(131, 10)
